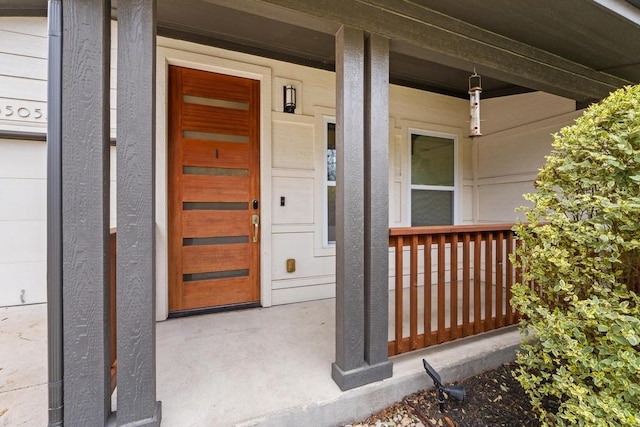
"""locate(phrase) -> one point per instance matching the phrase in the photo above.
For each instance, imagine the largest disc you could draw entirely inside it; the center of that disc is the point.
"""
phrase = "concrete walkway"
(267, 367)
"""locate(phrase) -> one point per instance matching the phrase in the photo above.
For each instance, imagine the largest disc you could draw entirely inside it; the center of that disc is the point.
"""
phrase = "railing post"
(441, 288)
(399, 303)
(453, 286)
(466, 289)
(428, 282)
(509, 274)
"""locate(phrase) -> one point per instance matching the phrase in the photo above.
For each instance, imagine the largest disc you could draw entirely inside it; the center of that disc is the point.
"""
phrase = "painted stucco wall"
(493, 170)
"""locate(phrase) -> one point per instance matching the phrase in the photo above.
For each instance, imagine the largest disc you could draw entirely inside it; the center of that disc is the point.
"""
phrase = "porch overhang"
(578, 49)
(516, 47)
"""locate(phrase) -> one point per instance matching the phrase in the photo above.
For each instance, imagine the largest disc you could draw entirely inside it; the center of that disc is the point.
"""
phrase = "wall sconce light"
(475, 88)
(289, 98)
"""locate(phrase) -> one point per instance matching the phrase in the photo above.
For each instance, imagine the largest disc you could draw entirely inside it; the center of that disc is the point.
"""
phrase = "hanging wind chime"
(475, 88)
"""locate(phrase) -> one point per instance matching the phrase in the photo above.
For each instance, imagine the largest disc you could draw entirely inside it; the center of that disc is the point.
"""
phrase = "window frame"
(455, 188)
(326, 120)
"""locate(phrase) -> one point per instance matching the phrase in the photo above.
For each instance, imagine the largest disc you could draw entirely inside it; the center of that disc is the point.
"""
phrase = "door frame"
(170, 52)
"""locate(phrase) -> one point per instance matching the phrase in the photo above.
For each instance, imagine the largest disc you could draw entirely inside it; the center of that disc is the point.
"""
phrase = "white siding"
(493, 170)
(517, 135)
(23, 74)
(23, 164)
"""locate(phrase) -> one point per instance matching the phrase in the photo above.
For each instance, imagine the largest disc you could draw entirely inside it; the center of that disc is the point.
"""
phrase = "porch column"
(376, 199)
(85, 211)
(136, 332)
(352, 367)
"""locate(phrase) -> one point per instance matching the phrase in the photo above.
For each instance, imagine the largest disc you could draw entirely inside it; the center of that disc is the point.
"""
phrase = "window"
(433, 179)
(330, 187)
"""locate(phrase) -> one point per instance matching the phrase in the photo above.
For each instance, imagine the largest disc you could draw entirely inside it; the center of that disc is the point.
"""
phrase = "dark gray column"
(136, 344)
(376, 201)
(85, 211)
(350, 368)
(54, 213)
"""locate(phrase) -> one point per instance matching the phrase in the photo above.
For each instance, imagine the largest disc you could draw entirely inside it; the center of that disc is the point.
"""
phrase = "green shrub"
(580, 258)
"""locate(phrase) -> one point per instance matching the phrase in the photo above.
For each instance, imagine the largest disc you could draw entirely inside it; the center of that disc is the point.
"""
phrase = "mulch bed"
(493, 398)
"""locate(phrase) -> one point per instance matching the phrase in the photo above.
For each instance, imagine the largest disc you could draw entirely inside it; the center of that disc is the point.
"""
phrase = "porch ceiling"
(580, 49)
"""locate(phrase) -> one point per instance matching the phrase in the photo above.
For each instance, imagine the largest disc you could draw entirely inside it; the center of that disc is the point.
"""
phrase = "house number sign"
(20, 112)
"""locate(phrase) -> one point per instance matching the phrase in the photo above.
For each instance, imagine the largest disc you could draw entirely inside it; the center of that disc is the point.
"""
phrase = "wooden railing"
(112, 304)
(450, 282)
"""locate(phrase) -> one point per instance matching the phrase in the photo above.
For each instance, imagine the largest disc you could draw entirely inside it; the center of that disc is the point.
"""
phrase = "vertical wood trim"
(488, 282)
(413, 293)
(477, 299)
(349, 200)
(466, 266)
(441, 287)
(509, 274)
(399, 315)
(136, 214)
(254, 137)
(428, 310)
(174, 170)
(519, 274)
(85, 218)
(376, 199)
(453, 289)
(499, 280)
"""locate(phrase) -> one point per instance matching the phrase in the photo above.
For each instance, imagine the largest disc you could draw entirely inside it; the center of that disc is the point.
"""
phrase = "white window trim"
(326, 120)
(456, 174)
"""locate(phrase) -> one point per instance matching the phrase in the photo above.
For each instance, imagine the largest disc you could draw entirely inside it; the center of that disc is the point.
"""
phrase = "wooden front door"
(214, 187)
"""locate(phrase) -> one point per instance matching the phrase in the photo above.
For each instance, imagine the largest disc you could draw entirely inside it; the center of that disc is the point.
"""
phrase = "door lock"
(255, 220)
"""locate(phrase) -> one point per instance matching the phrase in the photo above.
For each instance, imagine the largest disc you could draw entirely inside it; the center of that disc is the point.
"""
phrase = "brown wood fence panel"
(473, 278)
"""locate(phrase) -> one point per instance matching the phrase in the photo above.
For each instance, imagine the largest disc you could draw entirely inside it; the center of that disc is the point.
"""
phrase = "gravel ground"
(493, 398)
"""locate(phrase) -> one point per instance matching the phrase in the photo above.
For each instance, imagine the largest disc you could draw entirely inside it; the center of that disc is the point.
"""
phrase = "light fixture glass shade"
(289, 98)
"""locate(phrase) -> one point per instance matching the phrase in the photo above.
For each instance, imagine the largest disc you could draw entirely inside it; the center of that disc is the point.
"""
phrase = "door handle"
(255, 220)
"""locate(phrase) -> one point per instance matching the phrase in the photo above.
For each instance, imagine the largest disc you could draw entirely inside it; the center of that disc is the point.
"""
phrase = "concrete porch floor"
(268, 367)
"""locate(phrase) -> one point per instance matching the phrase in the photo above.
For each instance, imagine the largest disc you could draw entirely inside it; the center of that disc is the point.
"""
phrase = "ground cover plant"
(580, 256)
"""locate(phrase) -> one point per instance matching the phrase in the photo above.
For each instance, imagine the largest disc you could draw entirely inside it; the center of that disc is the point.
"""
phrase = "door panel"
(214, 170)
(201, 118)
(203, 223)
(199, 152)
(215, 258)
(218, 292)
(203, 188)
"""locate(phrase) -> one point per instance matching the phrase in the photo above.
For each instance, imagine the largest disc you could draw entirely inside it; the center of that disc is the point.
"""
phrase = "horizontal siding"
(493, 170)
(35, 26)
(21, 44)
(18, 88)
(26, 67)
(511, 153)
